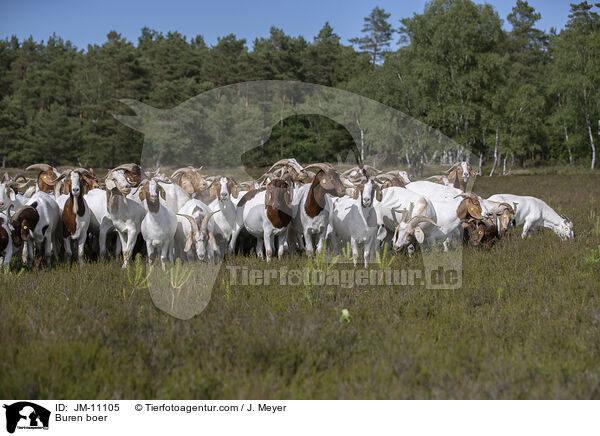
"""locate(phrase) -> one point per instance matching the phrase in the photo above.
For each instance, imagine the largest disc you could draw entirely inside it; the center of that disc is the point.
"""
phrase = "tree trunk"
(504, 165)
(480, 162)
(568, 146)
(495, 154)
(589, 125)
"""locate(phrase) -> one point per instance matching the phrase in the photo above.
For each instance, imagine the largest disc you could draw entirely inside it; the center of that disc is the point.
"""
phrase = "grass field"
(525, 324)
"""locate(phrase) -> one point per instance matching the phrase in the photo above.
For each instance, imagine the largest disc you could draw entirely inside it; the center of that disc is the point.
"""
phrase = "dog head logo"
(26, 415)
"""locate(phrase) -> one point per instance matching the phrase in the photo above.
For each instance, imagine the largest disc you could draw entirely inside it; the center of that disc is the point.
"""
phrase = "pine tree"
(378, 35)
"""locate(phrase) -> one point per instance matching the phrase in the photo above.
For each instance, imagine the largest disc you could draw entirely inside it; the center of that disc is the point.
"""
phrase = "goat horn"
(403, 212)
(85, 172)
(420, 219)
(39, 166)
(448, 171)
(387, 176)
(204, 223)
(370, 168)
(127, 167)
(323, 166)
(192, 221)
(180, 171)
(466, 195)
(282, 162)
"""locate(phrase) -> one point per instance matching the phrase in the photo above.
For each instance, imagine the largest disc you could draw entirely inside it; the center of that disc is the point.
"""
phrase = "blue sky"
(85, 22)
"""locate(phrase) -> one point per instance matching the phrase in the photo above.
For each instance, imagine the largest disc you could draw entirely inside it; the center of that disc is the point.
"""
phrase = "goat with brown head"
(469, 207)
(75, 186)
(23, 223)
(326, 181)
(222, 187)
(365, 188)
(47, 178)
(459, 175)
(125, 177)
(388, 180)
(480, 232)
(190, 180)
(505, 217)
(278, 202)
(150, 191)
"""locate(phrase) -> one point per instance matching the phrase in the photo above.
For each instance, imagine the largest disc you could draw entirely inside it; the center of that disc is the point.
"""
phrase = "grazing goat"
(533, 213)
(411, 229)
(449, 217)
(160, 223)
(265, 213)
(355, 220)
(190, 234)
(394, 200)
(480, 232)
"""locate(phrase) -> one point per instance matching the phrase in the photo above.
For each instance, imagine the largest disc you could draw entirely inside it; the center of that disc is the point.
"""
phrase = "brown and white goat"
(76, 214)
(265, 214)
(191, 181)
(482, 233)
(47, 178)
(313, 207)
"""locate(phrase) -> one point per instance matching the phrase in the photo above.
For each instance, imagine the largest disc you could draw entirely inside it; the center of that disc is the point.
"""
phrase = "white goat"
(224, 189)
(6, 241)
(450, 214)
(126, 215)
(355, 220)
(531, 212)
(160, 223)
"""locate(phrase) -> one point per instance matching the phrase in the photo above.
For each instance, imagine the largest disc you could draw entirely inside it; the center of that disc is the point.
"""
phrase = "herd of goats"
(292, 208)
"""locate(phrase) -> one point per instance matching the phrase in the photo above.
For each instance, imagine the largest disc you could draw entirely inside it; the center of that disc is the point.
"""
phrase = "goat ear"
(419, 235)
(214, 189)
(11, 193)
(268, 196)
(212, 241)
(162, 192)
(378, 194)
(235, 190)
(189, 241)
(143, 193)
(356, 193)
